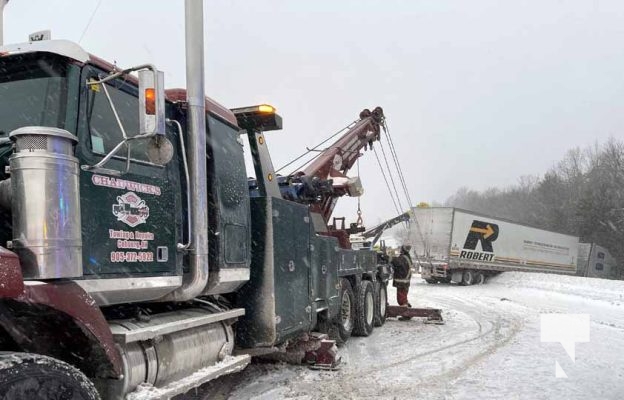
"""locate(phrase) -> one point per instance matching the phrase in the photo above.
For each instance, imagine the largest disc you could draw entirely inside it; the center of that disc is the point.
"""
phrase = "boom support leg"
(314, 349)
(433, 315)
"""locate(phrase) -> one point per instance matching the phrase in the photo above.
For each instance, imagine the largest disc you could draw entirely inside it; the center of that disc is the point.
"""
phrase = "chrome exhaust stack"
(196, 279)
(2, 4)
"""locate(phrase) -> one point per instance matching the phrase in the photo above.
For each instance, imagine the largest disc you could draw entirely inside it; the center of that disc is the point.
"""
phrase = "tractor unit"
(138, 258)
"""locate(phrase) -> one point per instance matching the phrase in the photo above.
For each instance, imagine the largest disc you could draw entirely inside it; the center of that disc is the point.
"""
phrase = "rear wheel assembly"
(479, 278)
(381, 301)
(364, 309)
(468, 278)
(26, 376)
(342, 327)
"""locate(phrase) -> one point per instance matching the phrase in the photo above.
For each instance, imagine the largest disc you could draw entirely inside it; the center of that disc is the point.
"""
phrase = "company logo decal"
(130, 209)
(117, 183)
(480, 232)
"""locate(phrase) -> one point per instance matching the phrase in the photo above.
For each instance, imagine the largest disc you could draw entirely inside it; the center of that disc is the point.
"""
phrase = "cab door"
(130, 207)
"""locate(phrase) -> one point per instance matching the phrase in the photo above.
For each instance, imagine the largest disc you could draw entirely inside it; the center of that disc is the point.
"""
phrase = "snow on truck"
(453, 245)
(139, 258)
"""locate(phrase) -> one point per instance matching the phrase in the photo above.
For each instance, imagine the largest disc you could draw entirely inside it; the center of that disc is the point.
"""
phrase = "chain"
(360, 221)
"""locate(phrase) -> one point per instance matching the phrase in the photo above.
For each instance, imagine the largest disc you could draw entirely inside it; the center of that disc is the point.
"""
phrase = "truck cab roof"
(75, 52)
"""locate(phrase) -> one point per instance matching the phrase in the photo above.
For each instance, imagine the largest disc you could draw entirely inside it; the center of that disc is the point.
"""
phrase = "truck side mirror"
(151, 102)
(152, 115)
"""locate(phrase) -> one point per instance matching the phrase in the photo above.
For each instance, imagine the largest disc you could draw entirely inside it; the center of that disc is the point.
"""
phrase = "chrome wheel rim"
(370, 307)
(383, 300)
(345, 311)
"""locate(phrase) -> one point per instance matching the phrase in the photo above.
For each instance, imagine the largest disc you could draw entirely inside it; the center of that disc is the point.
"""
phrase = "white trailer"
(453, 245)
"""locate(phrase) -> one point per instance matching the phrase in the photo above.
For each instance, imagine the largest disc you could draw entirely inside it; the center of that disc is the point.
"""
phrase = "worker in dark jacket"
(402, 266)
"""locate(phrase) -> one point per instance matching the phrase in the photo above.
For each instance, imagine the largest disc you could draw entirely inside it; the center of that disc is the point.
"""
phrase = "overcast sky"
(476, 93)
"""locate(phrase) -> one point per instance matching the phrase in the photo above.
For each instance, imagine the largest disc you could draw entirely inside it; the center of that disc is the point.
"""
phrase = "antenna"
(89, 22)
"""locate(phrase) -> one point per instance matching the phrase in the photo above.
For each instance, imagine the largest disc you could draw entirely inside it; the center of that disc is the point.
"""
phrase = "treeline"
(582, 195)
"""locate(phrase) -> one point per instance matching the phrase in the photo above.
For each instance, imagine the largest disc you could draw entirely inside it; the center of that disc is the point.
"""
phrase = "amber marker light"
(150, 101)
(261, 117)
(265, 108)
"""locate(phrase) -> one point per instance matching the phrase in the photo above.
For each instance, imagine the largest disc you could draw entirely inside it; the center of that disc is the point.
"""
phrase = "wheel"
(467, 278)
(342, 327)
(364, 309)
(26, 376)
(479, 278)
(431, 281)
(381, 301)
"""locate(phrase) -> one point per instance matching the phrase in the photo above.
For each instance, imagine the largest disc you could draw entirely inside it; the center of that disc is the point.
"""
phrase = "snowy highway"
(489, 348)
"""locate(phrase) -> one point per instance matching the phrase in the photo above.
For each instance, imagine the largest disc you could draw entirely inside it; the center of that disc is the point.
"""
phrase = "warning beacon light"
(262, 118)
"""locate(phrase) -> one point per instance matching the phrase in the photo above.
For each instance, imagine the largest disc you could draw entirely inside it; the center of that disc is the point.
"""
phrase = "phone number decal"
(131, 256)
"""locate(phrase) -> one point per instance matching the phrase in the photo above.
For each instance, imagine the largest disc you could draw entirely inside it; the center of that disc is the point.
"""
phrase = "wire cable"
(90, 20)
(315, 147)
(386, 180)
(396, 192)
(398, 165)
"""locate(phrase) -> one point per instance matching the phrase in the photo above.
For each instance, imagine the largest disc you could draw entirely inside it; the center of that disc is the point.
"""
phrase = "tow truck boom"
(378, 230)
(325, 178)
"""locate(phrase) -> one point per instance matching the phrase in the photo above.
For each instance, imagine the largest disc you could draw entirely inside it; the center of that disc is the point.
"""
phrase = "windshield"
(33, 91)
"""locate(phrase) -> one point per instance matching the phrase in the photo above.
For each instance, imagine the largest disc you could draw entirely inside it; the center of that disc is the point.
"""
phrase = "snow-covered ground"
(489, 348)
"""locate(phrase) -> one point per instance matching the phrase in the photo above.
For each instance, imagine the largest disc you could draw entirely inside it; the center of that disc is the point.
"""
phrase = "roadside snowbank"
(611, 291)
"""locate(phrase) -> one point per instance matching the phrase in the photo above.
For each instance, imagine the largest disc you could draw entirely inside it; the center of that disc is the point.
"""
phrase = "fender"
(30, 311)
(11, 281)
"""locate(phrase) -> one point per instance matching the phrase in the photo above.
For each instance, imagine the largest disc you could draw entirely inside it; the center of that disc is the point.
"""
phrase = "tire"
(431, 281)
(364, 309)
(381, 302)
(479, 278)
(26, 376)
(342, 327)
(468, 278)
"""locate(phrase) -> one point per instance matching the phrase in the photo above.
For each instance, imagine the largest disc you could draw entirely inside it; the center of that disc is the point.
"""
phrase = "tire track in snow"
(475, 329)
(493, 328)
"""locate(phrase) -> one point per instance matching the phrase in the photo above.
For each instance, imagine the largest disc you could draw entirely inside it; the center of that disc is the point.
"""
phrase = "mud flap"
(433, 315)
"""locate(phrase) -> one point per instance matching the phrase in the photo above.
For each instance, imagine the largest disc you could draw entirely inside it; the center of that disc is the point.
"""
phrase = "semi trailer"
(138, 258)
(454, 245)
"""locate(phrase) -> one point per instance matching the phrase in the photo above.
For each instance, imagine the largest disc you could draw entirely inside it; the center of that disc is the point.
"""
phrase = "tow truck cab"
(98, 210)
(133, 211)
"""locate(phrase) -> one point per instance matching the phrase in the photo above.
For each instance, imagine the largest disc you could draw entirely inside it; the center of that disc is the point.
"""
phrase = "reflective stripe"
(402, 280)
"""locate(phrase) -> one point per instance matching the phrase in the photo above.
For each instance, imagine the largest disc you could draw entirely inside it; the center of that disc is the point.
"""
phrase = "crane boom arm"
(334, 162)
(377, 231)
